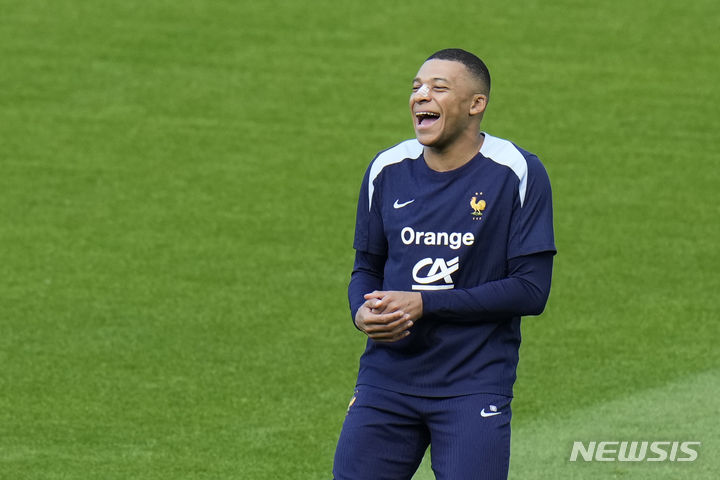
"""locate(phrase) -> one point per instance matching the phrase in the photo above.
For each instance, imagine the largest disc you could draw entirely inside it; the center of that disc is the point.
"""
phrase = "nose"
(422, 93)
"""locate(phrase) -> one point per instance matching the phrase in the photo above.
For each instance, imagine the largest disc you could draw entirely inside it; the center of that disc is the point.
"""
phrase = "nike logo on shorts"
(493, 411)
(397, 203)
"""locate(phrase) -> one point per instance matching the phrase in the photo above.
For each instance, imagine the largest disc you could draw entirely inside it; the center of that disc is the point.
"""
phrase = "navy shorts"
(385, 435)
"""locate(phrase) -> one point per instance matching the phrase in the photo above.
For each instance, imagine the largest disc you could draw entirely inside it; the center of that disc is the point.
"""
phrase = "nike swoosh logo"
(488, 414)
(400, 205)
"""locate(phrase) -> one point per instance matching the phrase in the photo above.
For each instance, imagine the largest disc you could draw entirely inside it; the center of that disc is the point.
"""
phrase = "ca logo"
(439, 270)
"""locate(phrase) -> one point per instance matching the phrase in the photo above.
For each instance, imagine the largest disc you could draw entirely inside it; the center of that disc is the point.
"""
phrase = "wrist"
(426, 303)
(355, 320)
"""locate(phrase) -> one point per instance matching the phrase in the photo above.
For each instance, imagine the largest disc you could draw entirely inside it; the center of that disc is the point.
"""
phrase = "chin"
(431, 141)
(426, 139)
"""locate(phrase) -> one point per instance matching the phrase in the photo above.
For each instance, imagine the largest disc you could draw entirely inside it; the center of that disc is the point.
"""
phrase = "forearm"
(523, 292)
(367, 276)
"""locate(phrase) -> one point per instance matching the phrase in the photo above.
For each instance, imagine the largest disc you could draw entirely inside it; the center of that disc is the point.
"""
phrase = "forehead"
(447, 70)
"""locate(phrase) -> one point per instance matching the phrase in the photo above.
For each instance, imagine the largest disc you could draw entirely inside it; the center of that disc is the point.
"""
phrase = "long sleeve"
(523, 292)
(367, 276)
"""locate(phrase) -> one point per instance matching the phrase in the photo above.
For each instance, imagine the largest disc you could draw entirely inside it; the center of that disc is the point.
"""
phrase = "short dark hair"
(476, 66)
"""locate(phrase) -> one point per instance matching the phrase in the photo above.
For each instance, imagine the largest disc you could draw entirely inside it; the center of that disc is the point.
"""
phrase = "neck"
(454, 155)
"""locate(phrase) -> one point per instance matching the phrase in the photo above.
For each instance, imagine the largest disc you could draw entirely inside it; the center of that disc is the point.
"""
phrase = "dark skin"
(387, 316)
(450, 142)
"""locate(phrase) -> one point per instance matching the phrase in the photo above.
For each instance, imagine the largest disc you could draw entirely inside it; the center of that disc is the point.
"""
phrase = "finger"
(373, 304)
(369, 302)
(388, 303)
(383, 329)
(375, 316)
(369, 321)
(390, 338)
(383, 319)
(390, 329)
(376, 294)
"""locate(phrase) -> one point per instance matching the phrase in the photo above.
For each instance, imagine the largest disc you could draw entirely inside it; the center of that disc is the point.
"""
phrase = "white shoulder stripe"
(505, 153)
(407, 149)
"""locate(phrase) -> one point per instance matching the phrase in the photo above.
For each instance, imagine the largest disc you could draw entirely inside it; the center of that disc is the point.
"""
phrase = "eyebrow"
(434, 79)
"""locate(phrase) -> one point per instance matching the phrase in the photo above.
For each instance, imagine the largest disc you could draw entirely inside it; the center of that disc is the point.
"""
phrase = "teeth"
(423, 115)
(427, 114)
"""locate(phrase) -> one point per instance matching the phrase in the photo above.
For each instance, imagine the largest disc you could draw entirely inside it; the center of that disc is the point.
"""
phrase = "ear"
(479, 103)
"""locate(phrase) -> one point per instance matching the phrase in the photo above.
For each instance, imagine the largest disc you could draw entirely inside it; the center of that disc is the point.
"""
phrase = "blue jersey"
(441, 232)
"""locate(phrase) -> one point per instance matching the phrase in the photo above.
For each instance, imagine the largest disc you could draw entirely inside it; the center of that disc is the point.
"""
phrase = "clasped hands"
(388, 316)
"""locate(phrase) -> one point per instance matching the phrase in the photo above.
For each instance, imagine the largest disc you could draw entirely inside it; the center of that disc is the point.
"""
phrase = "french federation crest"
(478, 206)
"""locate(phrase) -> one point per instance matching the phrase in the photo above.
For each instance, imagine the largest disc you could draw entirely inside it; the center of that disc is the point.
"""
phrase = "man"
(454, 242)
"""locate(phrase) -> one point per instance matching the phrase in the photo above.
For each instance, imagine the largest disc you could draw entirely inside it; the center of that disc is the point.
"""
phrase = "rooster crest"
(478, 206)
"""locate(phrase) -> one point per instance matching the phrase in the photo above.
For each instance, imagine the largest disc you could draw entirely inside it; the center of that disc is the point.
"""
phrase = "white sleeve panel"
(505, 153)
(409, 149)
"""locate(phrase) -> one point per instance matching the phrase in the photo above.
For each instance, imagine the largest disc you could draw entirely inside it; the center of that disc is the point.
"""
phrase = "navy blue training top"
(449, 235)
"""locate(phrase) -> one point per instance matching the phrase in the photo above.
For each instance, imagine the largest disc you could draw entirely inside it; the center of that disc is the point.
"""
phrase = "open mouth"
(426, 118)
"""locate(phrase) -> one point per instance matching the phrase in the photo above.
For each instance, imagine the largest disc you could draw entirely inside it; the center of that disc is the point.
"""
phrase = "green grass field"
(177, 192)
